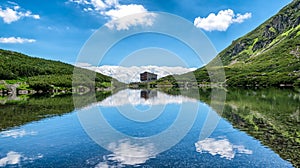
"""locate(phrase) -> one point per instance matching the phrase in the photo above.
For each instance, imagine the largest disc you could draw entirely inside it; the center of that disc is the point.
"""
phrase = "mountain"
(268, 55)
(41, 74)
(132, 74)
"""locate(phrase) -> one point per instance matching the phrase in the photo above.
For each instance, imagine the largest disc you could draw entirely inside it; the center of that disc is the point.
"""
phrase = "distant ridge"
(132, 74)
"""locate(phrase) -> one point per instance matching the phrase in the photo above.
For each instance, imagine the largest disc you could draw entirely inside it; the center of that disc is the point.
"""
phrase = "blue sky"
(57, 29)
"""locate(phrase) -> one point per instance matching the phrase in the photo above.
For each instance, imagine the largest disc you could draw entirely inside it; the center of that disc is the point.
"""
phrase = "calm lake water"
(149, 128)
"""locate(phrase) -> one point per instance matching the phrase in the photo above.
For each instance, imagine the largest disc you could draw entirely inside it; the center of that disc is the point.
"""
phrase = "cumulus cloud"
(221, 21)
(144, 19)
(113, 11)
(124, 10)
(12, 40)
(96, 5)
(15, 13)
(221, 147)
(112, 2)
(240, 18)
(131, 74)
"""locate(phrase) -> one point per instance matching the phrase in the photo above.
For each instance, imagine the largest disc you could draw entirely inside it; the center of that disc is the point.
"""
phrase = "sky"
(58, 29)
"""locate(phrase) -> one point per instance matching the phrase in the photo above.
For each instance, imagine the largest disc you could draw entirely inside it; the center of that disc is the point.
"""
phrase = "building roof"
(148, 73)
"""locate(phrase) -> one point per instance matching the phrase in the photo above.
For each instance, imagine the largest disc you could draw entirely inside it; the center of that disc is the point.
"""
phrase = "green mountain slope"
(268, 55)
(41, 74)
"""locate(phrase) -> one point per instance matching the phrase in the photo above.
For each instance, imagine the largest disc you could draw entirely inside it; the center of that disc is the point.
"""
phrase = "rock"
(240, 46)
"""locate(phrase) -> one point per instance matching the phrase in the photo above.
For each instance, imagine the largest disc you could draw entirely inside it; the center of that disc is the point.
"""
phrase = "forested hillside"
(41, 74)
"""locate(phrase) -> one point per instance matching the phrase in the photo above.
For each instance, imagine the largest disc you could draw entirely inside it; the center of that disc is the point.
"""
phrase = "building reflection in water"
(146, 94)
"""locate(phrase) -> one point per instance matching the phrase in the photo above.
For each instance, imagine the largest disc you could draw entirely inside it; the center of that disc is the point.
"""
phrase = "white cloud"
(221, 21)
(16, 40)
(96, 5)
(14, 13)
(36, 16)
(144, 19)
(125, 10)
(113, 11)
(131, 74)
(220, 147)
(240, 18)
(112, 2)
(99, 4)
(12, 3)
(9, 15)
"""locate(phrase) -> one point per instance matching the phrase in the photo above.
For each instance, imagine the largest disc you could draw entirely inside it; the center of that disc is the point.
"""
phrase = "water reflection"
(133, 97)
(134, 136)
(36, 107)
(270, 116)
(222, 147)
(17, 133)
(15, 158)
(146, 94)
(127, 153)
(11, 158)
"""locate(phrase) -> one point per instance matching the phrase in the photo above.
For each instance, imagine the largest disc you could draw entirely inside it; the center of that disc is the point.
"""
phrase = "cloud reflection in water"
(11, 158)
(220, 147)
(16, 133)
(15, 158)
(132, 97)
(127, 153)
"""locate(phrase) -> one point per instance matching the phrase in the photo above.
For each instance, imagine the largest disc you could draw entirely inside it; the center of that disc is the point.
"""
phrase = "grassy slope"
(41, 73)
(268, 55)
(273, 67)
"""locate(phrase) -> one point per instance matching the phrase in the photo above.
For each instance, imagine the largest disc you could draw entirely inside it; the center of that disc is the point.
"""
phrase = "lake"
(153, 128)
